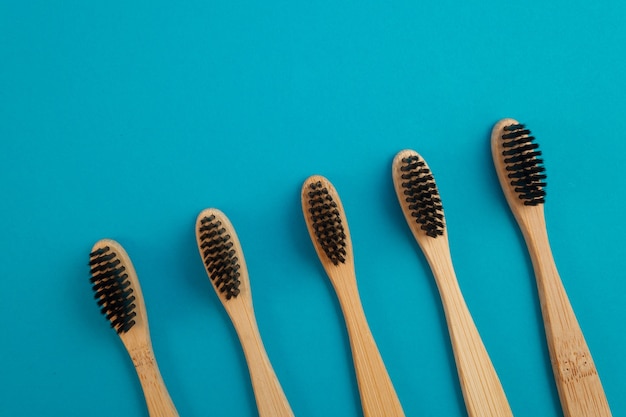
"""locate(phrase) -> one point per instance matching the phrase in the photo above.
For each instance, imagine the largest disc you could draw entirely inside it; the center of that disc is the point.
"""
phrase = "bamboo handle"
(270, 398)
(157, 398)
(482, 390)
(378, 396)
(577, 379)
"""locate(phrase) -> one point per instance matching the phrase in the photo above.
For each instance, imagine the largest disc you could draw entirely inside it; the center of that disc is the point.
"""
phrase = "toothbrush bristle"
(219, 257)
(326, 223)
(422, 196)
(524, 167)
(112, 289)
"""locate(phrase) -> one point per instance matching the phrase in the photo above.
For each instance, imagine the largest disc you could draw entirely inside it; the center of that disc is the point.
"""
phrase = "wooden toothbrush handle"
(482, 390)
(157, 398)
(270, 398)
(575, 374)
(378, 396)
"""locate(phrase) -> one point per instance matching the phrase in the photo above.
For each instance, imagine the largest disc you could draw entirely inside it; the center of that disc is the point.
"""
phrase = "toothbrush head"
(326, 221)
(221, 252)
(517, 159)
(418, 194)
(112, 285)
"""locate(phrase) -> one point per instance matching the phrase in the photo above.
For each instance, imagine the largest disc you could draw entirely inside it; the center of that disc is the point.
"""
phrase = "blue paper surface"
(125, 120)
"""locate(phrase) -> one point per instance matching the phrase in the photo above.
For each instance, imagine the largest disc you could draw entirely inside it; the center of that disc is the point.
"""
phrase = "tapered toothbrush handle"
(270, 398)
(482, 390)
(577, 380)
(157, 398)
(378, 396)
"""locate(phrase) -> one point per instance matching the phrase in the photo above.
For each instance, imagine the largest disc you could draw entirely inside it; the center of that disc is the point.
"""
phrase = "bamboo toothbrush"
(223, 258)
(422, 208)
(119, 295)
(328, 228)
(521, 174)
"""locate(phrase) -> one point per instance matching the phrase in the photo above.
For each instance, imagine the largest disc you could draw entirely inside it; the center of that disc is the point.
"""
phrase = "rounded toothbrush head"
(326, 221)
(517, 160)
(418, 194)
(221, 253)
(114, 283)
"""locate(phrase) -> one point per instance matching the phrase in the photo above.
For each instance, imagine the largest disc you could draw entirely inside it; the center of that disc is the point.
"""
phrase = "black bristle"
(219, 258)
(112, 289)
(326, 223)
(525, 168)
(422, 195)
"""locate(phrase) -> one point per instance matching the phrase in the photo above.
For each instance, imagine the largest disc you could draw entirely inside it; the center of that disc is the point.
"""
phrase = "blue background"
(125, 119)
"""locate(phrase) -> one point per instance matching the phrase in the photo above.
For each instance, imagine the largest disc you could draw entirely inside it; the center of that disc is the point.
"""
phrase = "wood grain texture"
(481, 387)
(378, 396)
(138, 344)
(270, 398)
(577, 380)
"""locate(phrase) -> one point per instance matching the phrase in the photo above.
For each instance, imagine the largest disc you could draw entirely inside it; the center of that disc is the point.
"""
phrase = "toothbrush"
(422, 208)
(521, 174)
(119, 296)
(328, 228)
(223, 258)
